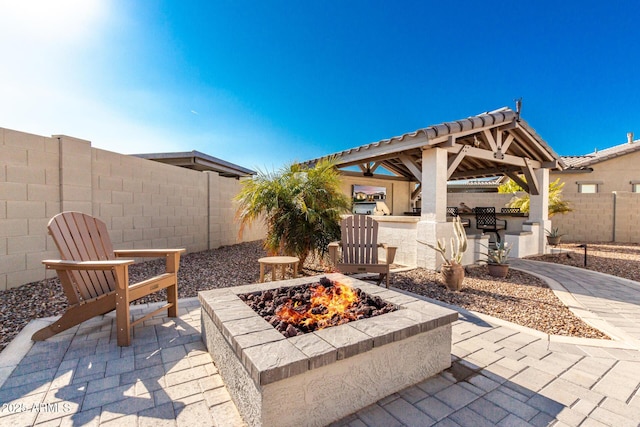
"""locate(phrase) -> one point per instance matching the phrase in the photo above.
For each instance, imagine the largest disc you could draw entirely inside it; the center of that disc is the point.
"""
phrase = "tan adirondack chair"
(360, 248)
(96, 282)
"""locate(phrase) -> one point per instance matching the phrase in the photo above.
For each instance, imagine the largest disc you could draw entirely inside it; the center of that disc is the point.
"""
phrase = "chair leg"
(123, 322)
(172, 298)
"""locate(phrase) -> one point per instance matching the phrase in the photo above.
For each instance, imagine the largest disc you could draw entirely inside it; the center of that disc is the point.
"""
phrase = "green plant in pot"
(554, 236)
(498, 259)
(452, 270)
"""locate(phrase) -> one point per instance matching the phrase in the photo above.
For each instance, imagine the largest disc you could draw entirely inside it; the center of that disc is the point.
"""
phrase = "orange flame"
(325, 303)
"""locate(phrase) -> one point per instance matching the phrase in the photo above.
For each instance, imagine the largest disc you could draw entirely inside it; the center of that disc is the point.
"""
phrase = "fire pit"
(321, 375)
(310, 307)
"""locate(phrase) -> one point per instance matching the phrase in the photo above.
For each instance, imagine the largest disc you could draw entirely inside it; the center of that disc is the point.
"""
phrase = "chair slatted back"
(359, 240)
(452, 211)
(485, 217)
(81, 237)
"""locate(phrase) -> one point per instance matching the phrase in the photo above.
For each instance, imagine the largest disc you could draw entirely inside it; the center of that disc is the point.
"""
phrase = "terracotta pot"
(554, 240)
(498, 270)
(453, 275)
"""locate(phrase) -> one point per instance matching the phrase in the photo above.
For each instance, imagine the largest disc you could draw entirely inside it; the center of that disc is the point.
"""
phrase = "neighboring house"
(603, 171)
(603, 188)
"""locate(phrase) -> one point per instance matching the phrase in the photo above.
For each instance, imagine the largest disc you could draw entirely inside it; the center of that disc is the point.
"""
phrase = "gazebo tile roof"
(392, 153)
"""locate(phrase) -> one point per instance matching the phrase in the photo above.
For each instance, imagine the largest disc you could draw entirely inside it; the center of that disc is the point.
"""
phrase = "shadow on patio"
(500, 375)
(82, 376)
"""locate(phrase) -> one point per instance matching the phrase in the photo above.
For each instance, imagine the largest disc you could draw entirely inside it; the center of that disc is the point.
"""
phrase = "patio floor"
(502, 374)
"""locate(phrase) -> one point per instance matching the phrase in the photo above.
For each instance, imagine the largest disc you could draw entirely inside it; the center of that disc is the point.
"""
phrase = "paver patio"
(502, 374)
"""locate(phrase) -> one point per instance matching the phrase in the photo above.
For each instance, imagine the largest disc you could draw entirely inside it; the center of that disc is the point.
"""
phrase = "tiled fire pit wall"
(320, 377)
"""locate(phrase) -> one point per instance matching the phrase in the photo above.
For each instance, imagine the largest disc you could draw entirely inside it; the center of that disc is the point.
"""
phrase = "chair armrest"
(147, 253)
(391, 252)
(58, 264)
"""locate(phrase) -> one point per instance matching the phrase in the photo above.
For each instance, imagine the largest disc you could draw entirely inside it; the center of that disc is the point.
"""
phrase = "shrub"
(301, 207)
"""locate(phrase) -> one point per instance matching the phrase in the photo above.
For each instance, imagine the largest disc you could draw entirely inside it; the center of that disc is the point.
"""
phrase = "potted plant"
(554, 236)
(498, 259)
(451, 269)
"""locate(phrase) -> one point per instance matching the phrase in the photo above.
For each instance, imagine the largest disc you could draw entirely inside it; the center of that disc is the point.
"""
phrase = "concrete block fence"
(599, 217)
(150, 204)
(145, 204)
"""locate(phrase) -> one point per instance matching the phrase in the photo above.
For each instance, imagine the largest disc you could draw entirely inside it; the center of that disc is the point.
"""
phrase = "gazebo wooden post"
(433, 221)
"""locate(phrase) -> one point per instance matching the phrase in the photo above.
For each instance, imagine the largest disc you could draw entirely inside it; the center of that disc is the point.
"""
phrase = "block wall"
(145, 204)
(29, 196)
(602, 217)
(148, 204)
(591, 220)
(627, 217)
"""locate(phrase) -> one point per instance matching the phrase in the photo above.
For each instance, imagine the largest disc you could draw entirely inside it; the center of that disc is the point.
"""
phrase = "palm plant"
(301, 207)
(556, 204)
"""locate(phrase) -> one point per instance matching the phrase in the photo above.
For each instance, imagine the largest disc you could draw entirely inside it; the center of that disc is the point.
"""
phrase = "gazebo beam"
(368, 168)
(381, 151)
(515, 178)
(529, 174)
(378, 159)
(395, 169)
(415, 193)
(534, 142)
(355, 174)
(477, 173)
(488, 136)
(411, 165)
(488, 155)
(553, 164)
(507, 142)
(455, 161)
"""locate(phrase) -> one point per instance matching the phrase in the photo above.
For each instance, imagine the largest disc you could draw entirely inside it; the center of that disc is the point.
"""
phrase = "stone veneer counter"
(320, 377)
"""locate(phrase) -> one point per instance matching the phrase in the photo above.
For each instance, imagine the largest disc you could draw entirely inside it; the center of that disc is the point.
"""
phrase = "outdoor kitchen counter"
(401, 232)
(514, 221)
(396, 218)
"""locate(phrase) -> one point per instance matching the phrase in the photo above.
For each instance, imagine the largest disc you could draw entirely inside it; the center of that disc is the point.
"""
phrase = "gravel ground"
(520, 298)
(617, 259)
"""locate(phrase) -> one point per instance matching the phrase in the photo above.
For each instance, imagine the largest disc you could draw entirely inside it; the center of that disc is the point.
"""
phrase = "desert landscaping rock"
(520, 298)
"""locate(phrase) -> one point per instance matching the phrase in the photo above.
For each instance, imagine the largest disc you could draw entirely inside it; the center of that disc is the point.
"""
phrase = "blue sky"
(263, 83)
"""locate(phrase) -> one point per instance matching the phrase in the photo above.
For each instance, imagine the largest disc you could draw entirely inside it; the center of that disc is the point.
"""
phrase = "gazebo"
(490, 144)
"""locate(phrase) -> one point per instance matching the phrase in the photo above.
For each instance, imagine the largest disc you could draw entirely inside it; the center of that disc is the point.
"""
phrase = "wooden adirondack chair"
(360, 248)
(96, 282)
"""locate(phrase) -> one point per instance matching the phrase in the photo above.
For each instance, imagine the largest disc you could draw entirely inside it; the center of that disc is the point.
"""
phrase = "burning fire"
(325, 303)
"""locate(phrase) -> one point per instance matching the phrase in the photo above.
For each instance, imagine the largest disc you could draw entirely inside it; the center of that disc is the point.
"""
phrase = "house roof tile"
(582, 162)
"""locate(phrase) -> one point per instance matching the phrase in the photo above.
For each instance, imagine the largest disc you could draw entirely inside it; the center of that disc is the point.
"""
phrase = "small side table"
(274, 262)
